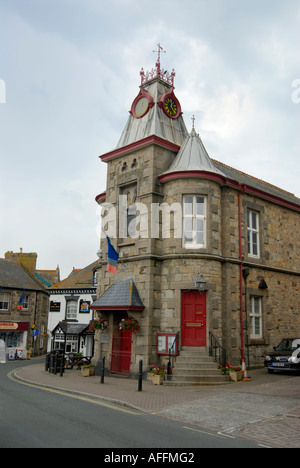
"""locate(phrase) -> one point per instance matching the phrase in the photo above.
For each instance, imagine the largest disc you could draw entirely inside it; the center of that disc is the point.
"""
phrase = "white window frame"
(25, 302)
(194, 218)
(253, 233)
(4, 301)
(72, 310)
(256, 322)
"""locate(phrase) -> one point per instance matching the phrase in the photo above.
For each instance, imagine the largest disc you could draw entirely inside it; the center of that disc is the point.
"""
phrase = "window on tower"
(194, 221)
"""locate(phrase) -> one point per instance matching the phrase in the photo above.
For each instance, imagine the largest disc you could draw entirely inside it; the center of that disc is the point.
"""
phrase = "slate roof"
(16, 276)
(70, 328)
(193, 156)
(78, 279)
(258, 184)
(119, 296)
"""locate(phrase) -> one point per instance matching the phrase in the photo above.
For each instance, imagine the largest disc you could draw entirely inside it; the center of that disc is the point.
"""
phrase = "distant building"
(24, 304)
(70, 313)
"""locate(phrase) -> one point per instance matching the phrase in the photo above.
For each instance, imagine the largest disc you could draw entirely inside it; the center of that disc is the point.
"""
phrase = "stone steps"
(195, 367)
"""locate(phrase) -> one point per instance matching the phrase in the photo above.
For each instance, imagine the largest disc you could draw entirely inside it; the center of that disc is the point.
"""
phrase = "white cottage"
(70, 313)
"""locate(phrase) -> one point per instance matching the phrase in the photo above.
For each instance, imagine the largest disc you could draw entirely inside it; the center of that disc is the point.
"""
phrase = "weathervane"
(160, 49)
(158, 72)
(193, 119)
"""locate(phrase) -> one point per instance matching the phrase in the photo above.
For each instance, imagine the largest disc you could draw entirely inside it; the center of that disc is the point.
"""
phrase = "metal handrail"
(217, 351)
(173, 353)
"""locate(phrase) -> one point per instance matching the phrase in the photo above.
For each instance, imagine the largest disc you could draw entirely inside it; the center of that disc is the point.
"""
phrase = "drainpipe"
(241, 272)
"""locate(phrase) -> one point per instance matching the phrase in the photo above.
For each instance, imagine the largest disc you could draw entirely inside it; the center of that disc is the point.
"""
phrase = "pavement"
(265, 409)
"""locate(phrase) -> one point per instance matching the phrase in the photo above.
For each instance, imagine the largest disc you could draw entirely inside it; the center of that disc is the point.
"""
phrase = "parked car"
(285, 357)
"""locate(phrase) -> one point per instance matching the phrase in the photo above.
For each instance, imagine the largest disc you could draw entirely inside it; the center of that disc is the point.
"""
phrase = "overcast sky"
(71, 71)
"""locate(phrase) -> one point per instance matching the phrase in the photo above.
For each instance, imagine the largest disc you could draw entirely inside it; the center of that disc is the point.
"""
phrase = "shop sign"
(54, 306)
(13, 326)
(9, 326)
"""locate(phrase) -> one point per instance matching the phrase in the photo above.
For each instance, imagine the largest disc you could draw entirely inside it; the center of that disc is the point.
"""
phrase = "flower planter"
(158, 379)
(85, 372)
(236, 376)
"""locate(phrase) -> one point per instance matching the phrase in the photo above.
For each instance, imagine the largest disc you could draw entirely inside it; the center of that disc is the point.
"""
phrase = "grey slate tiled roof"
(258, 184)
(16, 276)
(70, 328)
(120, 294)
(193, 157)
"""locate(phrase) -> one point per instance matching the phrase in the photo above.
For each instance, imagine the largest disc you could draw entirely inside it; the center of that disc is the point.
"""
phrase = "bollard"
(102, 370)
(140, 381)
(55, 364)
(51, 367)
(47, 363)
(62, 365)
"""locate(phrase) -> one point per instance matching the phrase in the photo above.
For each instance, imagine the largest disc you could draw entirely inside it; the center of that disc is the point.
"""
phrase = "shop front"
(15, 335)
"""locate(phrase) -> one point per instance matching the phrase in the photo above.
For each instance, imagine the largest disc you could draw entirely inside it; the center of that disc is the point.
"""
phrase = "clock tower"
(149, 143)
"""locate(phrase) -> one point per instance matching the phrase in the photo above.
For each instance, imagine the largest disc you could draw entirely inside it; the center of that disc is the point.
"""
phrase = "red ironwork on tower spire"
(158, 72)
(160, 49)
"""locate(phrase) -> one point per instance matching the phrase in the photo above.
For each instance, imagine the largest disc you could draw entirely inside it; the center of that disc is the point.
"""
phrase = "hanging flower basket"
(129, 325)
(100, 324)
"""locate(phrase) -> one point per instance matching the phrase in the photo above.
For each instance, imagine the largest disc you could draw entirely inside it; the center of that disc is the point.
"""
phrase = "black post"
(47, 363)
(102, 370)
(140, 383)
(55, 364)
(169, 363)
(62, 364)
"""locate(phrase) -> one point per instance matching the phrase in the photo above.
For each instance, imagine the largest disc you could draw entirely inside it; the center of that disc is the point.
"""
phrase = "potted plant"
(235, 373)
(158, 375)
(129, 324)
(87, 370)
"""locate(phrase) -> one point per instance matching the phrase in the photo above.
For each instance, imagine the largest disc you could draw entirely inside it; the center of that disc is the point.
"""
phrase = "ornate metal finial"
(193, 119)
(158, 72)
(160, 49)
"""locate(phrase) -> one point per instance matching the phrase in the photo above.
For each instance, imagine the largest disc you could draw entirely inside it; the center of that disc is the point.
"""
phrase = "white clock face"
(141, 107)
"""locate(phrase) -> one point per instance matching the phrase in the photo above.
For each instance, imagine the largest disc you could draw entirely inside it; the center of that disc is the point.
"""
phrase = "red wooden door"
(121, 353)
(193, 319)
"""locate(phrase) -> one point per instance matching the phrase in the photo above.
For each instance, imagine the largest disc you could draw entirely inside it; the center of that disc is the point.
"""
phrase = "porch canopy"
(121, 295)
(69, 329)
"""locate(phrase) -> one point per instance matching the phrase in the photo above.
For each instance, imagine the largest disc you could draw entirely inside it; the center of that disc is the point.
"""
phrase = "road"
(43, 418)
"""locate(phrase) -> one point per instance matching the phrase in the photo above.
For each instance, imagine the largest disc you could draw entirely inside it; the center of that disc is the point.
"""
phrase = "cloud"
(71, 71)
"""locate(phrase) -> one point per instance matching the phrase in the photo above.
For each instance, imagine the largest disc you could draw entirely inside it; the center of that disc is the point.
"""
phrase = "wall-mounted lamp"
(246, 273)
(200, 283)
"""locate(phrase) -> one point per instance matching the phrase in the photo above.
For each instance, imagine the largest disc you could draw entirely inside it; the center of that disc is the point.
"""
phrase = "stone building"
(24, 304)
(204, 249)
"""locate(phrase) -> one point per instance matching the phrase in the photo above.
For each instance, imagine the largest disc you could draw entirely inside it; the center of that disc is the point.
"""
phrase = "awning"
(121, 295)
(14, 326)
